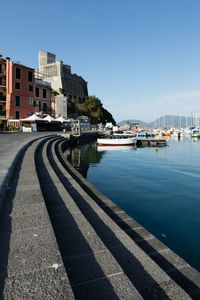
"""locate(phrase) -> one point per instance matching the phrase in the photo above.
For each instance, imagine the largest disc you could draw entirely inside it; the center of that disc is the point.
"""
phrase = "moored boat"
(117, 141)
(196, 133)
(166, 133)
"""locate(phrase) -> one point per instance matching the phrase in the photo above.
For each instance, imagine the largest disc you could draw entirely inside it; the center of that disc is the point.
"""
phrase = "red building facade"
(3, 121)
(25, 95)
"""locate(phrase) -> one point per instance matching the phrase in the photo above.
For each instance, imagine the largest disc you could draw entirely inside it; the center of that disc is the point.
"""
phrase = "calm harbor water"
(158, 187)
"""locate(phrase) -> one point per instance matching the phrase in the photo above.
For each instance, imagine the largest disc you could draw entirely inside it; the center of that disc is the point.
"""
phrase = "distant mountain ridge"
(167, 121)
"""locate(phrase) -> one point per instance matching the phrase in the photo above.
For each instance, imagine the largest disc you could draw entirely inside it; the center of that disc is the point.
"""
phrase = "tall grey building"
(60, 76)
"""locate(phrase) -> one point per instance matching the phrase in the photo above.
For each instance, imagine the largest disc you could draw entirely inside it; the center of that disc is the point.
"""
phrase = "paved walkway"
(11, 145)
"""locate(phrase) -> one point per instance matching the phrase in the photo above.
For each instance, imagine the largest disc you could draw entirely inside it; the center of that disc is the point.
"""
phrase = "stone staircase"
(62, 239)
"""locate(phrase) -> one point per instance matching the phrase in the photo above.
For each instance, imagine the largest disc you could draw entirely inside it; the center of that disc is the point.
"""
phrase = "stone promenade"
(60, 238)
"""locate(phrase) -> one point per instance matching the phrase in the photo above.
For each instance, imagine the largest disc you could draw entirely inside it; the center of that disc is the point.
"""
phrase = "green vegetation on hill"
(91, 107)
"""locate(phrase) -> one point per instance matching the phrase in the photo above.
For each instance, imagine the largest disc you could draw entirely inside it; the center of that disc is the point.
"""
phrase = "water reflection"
(116, 148)
(195, 139)
(83, 155)
(158, 187)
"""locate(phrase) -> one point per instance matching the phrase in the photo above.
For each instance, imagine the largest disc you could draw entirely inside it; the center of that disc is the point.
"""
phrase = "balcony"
(2, 98)
(2, 73)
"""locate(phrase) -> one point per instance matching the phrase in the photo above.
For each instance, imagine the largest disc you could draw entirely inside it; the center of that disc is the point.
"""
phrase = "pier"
(147, 142)
(61, 238)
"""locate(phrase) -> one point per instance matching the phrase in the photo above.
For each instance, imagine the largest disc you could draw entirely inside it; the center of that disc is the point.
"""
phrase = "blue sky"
(140, 57)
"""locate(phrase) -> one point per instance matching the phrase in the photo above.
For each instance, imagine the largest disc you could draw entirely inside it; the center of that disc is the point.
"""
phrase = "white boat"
(196, 133)
(116, 141)
(177, 133)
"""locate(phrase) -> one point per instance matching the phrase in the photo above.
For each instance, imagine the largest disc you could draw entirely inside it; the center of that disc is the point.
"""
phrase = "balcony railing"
(2, 98)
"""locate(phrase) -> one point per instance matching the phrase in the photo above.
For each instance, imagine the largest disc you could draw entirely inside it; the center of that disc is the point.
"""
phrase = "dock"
(146, 142)
(141, 141)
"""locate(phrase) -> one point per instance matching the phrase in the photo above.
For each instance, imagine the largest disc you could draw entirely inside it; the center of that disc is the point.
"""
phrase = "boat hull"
(117, 142)
(166, 133)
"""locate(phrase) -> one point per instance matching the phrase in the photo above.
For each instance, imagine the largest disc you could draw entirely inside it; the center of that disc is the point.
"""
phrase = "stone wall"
(60, 76)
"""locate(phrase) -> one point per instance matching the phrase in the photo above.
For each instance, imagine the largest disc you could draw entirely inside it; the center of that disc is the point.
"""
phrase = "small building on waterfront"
(61, 106)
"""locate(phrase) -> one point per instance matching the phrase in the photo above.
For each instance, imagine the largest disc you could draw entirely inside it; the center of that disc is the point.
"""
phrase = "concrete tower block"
(46, 58)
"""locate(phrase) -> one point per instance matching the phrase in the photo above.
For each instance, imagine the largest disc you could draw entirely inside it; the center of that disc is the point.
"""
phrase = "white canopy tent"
(34, 117)
(61, 119)
(50, 119)
(31, 124)
(70, 120)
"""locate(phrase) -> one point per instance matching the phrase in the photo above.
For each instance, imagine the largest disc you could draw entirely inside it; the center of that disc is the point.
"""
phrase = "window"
(30, 100)
(30, 88)
(30, 76)
(17, 85)
(0, 68)
(18, 73)
(37, 92)
(44, 107)
(17, 100)
(36, 103)
(44, 93)
(17, 115)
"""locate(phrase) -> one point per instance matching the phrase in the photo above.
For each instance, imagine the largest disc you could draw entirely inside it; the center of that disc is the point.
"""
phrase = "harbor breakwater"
(61, 238)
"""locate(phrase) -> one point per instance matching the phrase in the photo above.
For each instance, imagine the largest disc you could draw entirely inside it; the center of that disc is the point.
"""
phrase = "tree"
(61, 91)
(93, 108)
(108, 116)
(54, 93)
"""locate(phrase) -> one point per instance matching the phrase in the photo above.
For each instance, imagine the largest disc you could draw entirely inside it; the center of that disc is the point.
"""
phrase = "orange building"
(25, 95)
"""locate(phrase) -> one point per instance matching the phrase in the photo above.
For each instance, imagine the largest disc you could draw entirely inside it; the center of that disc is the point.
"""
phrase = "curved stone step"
(180, 274)
(92, 270)
(122, 255)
